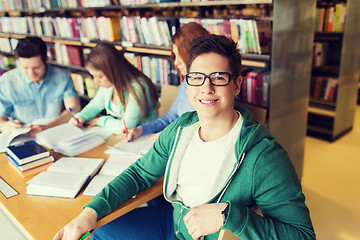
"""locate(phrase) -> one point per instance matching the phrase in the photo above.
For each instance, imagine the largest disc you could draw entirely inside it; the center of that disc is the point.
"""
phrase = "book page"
(89, 166)
(100, 131)
(115, 165)
(51, 136)
(6, 139)
(139, 146)
(97, 184)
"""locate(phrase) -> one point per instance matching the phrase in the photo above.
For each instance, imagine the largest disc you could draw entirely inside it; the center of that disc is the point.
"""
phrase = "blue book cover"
(27, 152)
(30, 165)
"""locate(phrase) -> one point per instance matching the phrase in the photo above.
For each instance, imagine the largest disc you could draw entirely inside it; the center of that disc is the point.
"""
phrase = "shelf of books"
(273, 36)
(334, 69)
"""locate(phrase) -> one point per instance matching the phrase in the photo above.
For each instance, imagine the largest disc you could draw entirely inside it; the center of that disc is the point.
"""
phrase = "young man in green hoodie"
(217, 162)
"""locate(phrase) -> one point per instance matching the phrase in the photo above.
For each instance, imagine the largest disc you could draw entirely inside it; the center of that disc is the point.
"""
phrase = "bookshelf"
(288, 61)
(332, 118)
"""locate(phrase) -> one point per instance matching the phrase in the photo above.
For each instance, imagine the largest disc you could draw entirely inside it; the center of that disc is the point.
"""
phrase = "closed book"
(317, 88)
(321, 20)
(264, 33)
(30, 165)
(75, 55)
(27, 152)
(32, 171)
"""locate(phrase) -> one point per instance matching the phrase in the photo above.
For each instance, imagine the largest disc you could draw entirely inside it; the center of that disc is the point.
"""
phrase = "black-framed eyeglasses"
(216, 78)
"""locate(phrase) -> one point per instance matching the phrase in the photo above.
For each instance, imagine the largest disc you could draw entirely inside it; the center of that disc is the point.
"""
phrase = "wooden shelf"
(72, 67)
(325, 70)
(328, 36)
(338, 116)
(321, 111)
(140, 6)
(329, 105)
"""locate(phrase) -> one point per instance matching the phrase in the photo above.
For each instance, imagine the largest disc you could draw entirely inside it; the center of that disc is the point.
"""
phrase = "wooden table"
(41, 217)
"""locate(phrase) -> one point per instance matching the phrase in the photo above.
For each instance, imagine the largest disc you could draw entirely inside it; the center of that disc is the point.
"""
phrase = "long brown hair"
(183, 38)
(122, 74)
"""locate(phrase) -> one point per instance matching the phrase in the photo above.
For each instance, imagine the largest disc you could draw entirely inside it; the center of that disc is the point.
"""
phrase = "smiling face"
(213, 102)
(99, 77)
(33, 67)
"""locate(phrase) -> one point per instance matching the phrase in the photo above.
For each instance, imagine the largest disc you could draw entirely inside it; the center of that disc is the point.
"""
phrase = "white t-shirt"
(201, 165)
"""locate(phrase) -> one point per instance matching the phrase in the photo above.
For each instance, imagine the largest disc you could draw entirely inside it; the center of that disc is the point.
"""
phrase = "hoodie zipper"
(178, 221)
(230, 178)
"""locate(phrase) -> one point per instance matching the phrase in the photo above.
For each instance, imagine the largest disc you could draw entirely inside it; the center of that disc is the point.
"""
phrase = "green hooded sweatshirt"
(262, 174)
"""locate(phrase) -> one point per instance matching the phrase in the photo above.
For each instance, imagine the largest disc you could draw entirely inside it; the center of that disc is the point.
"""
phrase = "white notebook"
(65, 177)
(115, 165)
(69, 139)
(139, 146)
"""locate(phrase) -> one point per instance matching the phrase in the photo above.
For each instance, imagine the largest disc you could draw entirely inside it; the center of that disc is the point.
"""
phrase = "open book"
(17, 136)
(69, 139)
(115, 165)
(65, 177)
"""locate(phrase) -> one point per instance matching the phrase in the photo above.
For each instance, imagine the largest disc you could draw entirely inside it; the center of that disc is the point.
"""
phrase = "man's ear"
(237, 83)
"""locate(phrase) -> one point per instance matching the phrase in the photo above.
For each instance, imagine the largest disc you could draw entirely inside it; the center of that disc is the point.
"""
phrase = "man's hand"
(36, 129)
(83, 223)
(204, 219)
(10, 126)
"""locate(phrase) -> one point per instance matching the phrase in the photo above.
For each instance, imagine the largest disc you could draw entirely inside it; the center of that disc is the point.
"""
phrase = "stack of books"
(28, 158)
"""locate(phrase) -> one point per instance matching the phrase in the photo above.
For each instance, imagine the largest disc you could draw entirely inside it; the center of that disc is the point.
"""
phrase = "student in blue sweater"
(217, 162)
(180, 46)
(126, 94)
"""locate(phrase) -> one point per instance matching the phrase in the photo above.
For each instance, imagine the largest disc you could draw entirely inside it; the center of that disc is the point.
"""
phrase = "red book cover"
(244, 89)
(259, 84)
(317, 89)
(138, 59)
(75, 55)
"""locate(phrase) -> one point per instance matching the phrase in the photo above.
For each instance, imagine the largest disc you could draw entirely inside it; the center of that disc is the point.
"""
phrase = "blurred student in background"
(180, 47)
(128, 96)
(35, 91)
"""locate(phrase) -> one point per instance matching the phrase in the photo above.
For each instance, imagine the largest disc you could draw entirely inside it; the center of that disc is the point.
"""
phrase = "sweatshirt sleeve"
(277, 192)
(131, 115)
(94, 107)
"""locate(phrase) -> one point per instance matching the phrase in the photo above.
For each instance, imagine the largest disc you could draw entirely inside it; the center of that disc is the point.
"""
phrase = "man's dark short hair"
(220, 45)
(31, 47)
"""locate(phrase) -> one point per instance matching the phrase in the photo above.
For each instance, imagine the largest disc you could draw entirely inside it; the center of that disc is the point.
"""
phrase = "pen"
(9, 117)
(72, 113)
(86, 234)
(125, 128)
